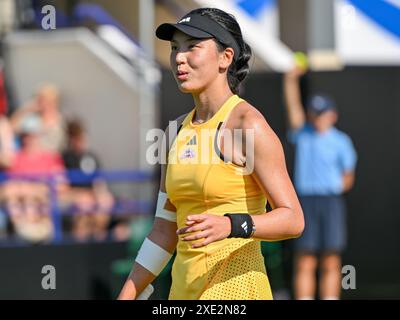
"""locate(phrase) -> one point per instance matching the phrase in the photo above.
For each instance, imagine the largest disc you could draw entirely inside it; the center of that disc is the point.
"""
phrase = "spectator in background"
(7, 140)
(325, 161)
(26, 194)
(7, 145)
(92, 200)
(43, 111)
(7, 16)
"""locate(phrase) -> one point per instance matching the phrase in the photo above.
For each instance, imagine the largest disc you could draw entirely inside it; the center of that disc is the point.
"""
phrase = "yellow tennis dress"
(199, 181)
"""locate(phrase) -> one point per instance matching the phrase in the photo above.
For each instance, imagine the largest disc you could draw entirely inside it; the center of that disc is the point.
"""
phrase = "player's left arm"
(286, 220)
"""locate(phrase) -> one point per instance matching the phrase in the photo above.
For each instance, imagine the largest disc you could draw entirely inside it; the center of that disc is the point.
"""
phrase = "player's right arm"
(160, 244)
(294, 107)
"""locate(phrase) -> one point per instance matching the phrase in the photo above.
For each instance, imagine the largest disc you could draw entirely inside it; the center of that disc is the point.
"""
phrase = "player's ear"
(226, 58)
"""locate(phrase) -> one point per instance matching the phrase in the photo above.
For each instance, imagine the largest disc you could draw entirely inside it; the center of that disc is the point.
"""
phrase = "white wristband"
(161, 212)
(152, 257)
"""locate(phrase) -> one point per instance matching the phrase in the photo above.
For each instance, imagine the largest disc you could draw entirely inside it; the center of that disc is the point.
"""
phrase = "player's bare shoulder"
(246, 116)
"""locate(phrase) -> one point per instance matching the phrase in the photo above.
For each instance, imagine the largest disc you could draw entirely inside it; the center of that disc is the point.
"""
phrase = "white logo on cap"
(185, 20)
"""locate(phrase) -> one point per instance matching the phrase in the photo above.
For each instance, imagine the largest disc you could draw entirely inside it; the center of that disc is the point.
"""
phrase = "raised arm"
(158, 246)
(294, 107)
(7, 152)
(18, 115)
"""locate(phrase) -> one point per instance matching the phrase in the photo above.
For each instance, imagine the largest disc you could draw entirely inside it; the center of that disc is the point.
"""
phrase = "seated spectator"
(7, 143)
(28, 207)
(90, 196)
(26, 193)
(43, 111)
(7, 146)
(7, 153)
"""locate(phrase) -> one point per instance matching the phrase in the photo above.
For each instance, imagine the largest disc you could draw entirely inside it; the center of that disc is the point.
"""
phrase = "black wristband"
(242, 225)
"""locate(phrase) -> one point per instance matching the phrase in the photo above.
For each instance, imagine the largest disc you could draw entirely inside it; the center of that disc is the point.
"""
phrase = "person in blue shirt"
(324, 169)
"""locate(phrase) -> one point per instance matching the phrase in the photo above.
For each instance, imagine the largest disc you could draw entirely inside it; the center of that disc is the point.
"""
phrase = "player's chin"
(185, 87)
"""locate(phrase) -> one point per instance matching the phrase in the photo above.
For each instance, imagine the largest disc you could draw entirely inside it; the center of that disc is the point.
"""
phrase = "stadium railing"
(134, 206)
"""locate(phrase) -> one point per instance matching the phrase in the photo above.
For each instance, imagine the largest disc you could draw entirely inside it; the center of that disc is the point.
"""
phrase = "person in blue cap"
(324, 169)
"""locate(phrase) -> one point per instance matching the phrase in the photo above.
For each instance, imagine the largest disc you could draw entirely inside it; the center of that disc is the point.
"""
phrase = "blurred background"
(82, 83)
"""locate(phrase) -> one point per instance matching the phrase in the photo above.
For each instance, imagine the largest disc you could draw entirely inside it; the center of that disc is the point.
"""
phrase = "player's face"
(194, 62)
(323, 121)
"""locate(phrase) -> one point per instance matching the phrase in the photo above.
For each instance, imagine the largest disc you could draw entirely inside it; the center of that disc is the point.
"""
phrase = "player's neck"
(209, 101)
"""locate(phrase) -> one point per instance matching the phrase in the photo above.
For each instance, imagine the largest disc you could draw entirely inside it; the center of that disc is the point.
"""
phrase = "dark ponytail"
(239, 69)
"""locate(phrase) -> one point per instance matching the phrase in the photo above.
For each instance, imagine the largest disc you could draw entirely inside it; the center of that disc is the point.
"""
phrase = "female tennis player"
(211, 204)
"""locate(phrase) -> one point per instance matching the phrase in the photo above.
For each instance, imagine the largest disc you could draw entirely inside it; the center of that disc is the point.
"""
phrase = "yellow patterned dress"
(199, 181)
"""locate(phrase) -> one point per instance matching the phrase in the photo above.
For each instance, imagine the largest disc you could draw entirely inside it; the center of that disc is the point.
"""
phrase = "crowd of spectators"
(38, 150)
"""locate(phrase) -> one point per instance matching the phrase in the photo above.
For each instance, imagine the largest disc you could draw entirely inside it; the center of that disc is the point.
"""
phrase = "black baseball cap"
(199, 26)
